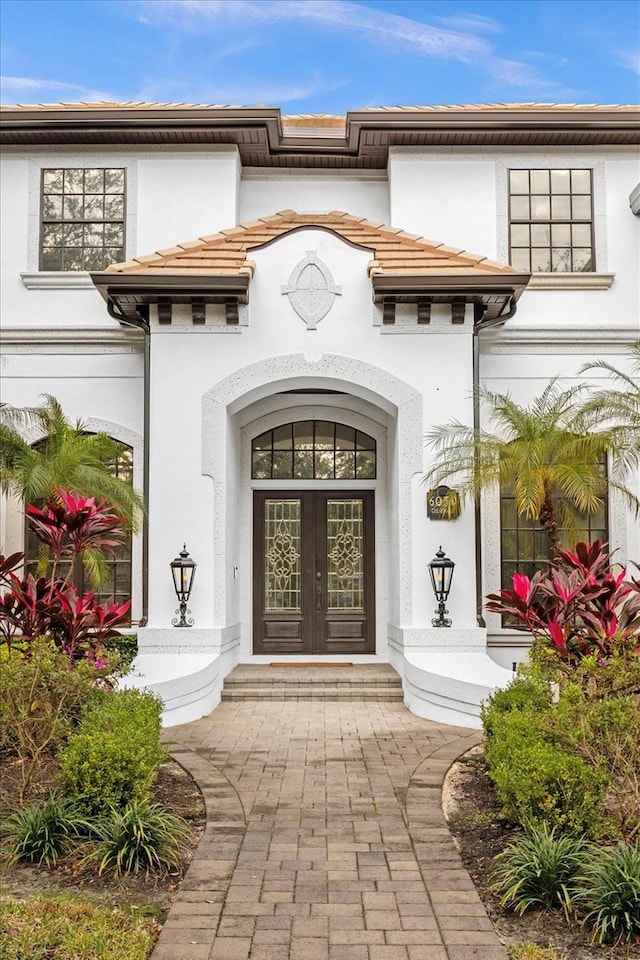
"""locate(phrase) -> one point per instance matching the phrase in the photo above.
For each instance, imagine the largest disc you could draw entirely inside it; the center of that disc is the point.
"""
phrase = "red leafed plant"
(580, 605)
(69, 526)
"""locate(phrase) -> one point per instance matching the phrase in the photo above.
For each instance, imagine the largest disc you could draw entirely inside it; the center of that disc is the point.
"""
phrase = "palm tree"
(619, 406)
(65, 457)
(541, 451)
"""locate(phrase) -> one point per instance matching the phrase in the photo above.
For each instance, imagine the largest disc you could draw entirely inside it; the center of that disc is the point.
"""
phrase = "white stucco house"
(250, 304)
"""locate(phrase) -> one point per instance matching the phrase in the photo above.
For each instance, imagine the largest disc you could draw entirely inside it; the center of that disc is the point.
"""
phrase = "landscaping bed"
(480, 831)
(174, 789)
(135, 904)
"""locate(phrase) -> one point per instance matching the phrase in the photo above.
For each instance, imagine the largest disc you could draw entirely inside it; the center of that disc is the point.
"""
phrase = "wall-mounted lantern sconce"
(441, 572)
(183, 569)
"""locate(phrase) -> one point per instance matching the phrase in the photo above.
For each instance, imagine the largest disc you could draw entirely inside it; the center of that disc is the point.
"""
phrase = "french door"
(314, 572)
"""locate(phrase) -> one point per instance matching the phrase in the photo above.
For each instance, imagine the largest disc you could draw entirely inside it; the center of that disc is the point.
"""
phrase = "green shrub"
(41, 699)
(41, 833)
(539, 870)
(528, 693)
(142, 836)
(538, 782)
(125, 646)
(610, 890)
(113, 758)
(606, 733)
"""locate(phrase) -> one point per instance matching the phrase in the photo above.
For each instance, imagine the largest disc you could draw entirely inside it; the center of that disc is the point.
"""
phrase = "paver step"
(318, 692)
(310, 682)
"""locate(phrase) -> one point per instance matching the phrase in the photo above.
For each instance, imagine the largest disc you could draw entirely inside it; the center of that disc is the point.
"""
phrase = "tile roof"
(473, 107)
(394, 252)
(318, 120)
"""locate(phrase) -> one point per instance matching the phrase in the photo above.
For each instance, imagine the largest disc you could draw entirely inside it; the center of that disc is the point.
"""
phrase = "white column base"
(185, 667)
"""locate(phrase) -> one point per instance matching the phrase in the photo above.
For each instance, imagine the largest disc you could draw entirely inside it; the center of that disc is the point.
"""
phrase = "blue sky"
(321, 56)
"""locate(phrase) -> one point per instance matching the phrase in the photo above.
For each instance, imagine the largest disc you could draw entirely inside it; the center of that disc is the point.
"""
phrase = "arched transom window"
(313, 450)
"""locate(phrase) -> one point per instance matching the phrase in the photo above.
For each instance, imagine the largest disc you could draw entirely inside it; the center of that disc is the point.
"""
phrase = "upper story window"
(82, 218)
(551, 221)
(313, 450)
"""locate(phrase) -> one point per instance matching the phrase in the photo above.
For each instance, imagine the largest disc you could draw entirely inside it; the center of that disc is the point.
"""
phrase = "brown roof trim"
(131, 295)
(413, 284)
(494, 296)
(165, 284)
(265, 138)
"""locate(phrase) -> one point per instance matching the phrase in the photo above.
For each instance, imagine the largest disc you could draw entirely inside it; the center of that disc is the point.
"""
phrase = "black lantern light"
(183, 569)
(441, 571)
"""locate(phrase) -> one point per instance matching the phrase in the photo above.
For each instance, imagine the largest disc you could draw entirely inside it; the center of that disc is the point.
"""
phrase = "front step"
(350, 682)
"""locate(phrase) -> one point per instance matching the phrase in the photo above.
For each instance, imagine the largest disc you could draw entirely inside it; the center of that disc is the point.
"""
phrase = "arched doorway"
(293, 388)
(314, 547)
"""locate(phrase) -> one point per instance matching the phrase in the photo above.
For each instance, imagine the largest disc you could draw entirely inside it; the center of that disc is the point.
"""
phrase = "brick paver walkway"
(325, 838)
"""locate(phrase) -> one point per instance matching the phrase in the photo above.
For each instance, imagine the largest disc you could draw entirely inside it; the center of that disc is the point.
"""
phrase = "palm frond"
(95, 566)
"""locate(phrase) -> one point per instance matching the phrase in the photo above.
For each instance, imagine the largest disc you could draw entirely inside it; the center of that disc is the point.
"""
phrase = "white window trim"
(570, 281)
(34, 278)
(599, 279)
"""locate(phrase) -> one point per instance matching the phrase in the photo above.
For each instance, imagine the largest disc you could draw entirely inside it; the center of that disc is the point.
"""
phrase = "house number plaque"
(443, 503)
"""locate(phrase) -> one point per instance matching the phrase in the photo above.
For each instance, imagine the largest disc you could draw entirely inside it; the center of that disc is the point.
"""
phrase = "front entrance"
(314, 572)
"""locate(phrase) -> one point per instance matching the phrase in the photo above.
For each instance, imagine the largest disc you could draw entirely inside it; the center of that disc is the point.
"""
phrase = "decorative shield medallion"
(311, 289)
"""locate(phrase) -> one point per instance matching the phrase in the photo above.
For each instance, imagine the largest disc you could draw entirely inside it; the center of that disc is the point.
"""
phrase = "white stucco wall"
(185, 196)
(263, 192)
(448, 198)
(73, 349)
(14, 224)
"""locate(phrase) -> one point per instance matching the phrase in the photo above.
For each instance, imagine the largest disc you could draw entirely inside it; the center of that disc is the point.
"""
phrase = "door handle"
(319, 592)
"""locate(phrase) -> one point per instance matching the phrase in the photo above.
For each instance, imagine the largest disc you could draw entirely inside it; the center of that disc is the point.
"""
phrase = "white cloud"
(16, 89)
(421, 38)
(471, 21)
(518, 74)
(629, 59)
(455, 39)
(249, 92)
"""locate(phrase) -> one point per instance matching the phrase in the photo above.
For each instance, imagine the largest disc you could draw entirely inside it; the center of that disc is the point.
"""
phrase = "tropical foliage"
(580, 605)
(70, 527)
(542, 451)
(65, 456)
(619, 406)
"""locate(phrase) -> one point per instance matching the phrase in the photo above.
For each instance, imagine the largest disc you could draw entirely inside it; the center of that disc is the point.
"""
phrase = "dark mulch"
(174, 789)
(481, 833)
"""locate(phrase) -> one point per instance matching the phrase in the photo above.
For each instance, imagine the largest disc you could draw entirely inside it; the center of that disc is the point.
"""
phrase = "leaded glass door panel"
(314, 572)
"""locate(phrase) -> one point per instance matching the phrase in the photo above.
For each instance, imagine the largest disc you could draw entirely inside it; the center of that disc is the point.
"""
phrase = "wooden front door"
(313, 572)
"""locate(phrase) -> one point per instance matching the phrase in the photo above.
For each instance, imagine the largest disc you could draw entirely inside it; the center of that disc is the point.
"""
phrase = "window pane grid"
(313, 450)
(525, 546)
(82, 218)
(551, 227)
